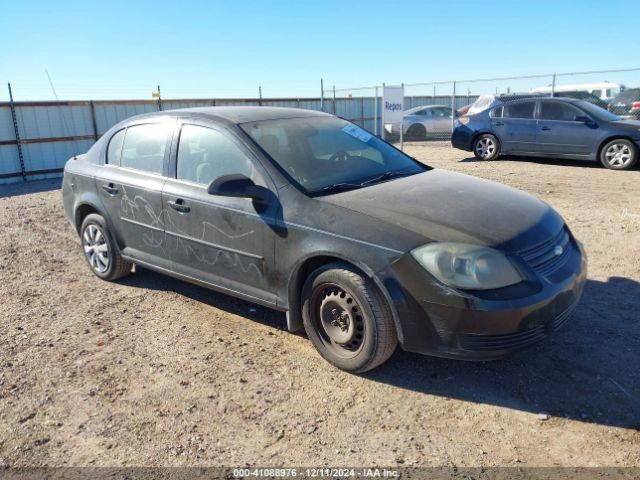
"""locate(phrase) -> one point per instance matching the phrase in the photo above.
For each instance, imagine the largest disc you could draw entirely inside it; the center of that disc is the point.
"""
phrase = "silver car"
(425, 121)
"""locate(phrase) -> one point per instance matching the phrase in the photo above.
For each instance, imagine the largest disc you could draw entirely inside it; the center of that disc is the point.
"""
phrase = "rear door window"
(519, 110)
(144, 146)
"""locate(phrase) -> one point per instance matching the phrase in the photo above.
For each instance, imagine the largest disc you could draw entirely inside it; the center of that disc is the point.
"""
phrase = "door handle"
(110, 189)
(499, 124)
(545, 128)
(179, 206)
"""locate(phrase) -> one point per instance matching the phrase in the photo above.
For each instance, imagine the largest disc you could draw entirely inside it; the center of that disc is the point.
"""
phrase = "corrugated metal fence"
(52, 132)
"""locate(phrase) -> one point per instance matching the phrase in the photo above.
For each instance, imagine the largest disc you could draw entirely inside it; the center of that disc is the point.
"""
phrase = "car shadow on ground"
(589, 371)
(149, 279)
(32, 186)
(561, 162)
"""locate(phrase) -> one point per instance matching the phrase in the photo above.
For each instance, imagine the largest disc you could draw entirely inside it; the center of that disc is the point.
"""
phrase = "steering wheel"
(340, 157)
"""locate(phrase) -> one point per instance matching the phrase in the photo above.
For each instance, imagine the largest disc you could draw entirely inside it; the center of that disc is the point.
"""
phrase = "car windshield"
(599, 113)
(328, 154)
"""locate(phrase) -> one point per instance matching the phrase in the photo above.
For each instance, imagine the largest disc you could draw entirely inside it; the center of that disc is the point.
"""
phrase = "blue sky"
(121, 49)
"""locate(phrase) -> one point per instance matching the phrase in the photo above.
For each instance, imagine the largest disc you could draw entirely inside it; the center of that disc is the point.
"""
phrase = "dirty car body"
(169, 210)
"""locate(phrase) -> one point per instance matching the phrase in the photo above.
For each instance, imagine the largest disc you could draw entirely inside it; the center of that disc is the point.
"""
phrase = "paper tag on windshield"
(357, 132)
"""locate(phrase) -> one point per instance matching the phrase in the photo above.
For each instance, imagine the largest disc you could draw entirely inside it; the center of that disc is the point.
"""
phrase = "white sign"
(392, 105)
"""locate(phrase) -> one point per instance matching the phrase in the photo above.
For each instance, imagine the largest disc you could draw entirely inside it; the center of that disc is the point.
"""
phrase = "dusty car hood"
(445, 206)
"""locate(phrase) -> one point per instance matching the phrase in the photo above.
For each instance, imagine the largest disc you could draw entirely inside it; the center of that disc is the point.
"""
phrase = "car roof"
(241, 114)
(422, 107)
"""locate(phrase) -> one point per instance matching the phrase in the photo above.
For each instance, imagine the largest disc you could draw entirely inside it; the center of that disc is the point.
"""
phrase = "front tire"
(417, 132)
(486, 147)
(619, 154)
(100, 249)
(347, 319)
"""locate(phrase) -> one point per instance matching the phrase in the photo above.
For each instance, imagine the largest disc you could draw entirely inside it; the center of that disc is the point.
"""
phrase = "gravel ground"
(154, 371)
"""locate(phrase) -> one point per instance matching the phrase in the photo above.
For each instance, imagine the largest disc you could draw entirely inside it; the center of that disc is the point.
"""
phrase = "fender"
(294, 286)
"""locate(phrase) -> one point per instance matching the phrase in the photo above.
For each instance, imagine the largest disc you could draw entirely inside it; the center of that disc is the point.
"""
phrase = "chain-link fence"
(36, 138)
(431, 109)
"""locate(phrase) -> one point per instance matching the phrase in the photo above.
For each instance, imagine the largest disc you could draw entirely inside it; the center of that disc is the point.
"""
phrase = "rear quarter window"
(114, 150)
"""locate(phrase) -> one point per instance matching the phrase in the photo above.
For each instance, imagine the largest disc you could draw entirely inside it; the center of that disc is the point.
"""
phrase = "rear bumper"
(461, 137)
(440, 321)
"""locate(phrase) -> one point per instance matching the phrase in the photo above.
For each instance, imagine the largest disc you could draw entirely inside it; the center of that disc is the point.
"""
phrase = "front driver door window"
(224, 241)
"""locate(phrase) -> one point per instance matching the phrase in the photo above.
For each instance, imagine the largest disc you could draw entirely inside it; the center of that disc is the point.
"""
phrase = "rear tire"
(100, 249)
(486, 147)
(619, 154)
(347, 319)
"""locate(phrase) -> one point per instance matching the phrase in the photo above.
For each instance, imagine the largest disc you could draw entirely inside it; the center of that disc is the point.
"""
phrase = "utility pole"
(260, 95)
(159, 99)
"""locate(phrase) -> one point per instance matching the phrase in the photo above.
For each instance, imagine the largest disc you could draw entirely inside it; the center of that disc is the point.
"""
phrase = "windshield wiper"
(385, 176)
(338, 187)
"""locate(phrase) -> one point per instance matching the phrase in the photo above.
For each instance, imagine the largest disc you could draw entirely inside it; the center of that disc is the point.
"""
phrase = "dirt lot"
(153, 371)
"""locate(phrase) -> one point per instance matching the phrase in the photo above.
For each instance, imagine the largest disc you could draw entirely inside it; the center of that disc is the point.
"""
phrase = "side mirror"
(237, 185)
(583, 119)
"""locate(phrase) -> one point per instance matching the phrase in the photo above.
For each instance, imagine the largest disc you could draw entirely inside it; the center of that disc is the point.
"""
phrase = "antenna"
(55, 95)
(64, 120)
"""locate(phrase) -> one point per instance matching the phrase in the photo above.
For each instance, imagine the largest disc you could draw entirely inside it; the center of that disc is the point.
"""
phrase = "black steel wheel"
(347, 319)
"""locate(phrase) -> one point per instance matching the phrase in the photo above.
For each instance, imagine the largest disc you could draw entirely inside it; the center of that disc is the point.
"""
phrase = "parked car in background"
(361, 245)
(422, 122)
(603, 90)
(627, 103)
(550, 127)
(586, 96)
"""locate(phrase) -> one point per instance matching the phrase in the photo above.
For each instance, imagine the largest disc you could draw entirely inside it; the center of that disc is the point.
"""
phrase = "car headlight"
(467, 266)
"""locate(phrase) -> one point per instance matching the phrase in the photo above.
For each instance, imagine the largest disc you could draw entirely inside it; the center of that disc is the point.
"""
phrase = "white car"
(424, 121)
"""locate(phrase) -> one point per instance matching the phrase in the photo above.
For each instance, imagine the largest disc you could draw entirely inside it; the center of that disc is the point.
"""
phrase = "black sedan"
(550, 127)
(359, 244)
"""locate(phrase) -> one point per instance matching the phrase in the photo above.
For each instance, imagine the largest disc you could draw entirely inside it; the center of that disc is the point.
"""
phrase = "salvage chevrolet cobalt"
(360, 245)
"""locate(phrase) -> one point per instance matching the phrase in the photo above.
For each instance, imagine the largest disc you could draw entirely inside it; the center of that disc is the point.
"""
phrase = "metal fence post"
(383, 131)
(159, 99)
(23, 172)
(453, 107)
(260, 95)
(93, 120)
(334, 99)
(375, 114)
(321, 95)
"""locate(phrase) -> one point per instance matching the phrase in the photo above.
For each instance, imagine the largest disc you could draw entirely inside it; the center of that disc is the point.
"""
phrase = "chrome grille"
(544, 259)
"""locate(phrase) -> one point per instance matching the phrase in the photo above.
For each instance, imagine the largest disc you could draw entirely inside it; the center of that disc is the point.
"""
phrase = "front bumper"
(438, 320)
